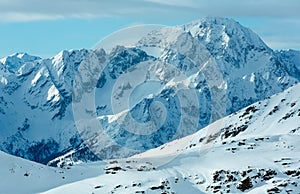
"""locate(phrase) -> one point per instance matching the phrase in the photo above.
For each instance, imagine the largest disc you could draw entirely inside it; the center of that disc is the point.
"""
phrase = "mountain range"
(172, 83)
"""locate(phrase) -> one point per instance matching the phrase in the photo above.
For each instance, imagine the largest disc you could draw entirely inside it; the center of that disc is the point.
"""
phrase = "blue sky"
(46, 27)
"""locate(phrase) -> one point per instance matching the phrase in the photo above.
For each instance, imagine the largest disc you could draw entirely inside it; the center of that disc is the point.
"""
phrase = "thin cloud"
(56, 9)
(19, 10)
(282, 42)
(26, 17)
(276, 21)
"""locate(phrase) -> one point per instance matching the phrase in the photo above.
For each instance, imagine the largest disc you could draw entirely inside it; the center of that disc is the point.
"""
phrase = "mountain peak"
(224, 34)
(22, 55)
(16, 60)
(213, 22)
(219, 20)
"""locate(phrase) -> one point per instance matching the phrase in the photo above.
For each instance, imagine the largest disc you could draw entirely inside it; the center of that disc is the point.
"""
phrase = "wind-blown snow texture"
(36, 115)
(255, 150)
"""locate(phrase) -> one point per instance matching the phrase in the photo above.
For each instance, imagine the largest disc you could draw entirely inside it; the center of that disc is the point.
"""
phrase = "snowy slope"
(22, 176)
(221, 65)
(255, 150)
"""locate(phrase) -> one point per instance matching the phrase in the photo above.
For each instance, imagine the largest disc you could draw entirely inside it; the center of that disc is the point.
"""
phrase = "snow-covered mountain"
(254, 150)
(220, 65)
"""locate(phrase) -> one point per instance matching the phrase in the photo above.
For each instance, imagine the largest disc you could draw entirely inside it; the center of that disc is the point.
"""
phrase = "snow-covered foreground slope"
(22, 176)
(255, 150)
